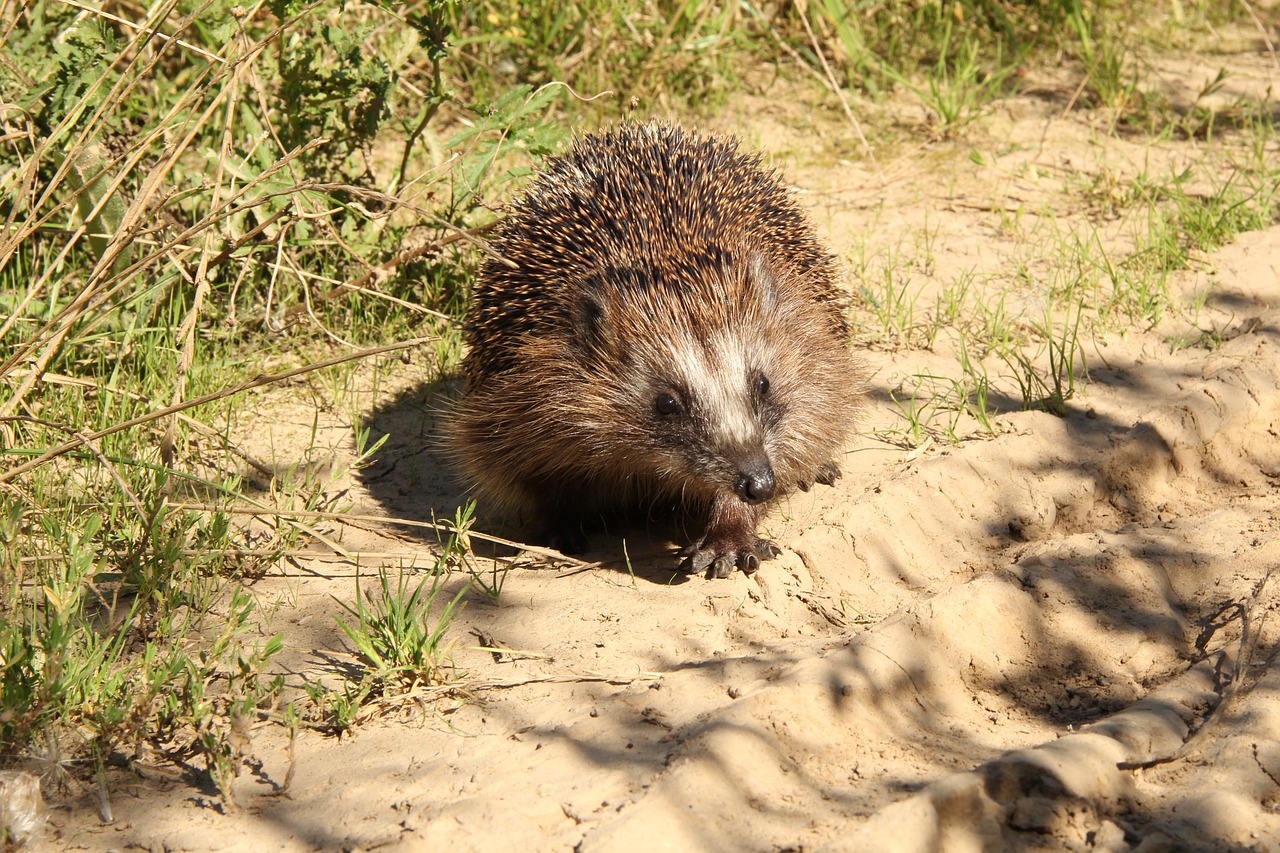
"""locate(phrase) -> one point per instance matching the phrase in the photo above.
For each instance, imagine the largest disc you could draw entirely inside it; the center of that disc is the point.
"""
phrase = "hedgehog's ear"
(590, 325)
(763, 279)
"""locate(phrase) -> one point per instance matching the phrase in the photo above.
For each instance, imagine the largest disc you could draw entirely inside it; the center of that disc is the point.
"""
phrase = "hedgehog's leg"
(566, 536)
(827, 474)
(561, 522)
(730, 540)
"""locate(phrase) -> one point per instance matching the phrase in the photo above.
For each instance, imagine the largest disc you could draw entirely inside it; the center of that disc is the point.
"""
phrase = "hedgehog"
(662, 329)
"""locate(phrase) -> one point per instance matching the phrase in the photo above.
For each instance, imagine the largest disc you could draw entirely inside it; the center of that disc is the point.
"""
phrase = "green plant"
(457, 551)
(937, 405)
(395, 633)
(1049, 389)
(184, 199)
(920, 412)
(93, 672)
(949, 308)
(654, 53)
(974, 389)
(337, 711)
(851, 44)
(995, 328)
(879, 44)
(891, 303)
(1110, 75)
(957, 87)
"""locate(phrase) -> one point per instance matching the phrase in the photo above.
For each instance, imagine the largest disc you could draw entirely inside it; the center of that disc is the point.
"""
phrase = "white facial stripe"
(717, 376)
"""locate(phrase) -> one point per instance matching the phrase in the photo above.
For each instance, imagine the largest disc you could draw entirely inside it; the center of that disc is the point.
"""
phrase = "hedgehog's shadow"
(411, 478)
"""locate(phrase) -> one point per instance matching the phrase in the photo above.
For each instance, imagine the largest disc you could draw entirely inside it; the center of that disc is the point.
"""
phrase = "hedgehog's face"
(697, 374)
(709, 409)
(703, 377)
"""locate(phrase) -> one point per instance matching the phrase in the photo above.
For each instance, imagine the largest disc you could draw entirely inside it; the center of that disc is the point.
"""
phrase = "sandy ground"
(1056, 638)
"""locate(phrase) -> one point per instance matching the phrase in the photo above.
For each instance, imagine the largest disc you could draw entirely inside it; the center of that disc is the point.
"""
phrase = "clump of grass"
(1049, 388)
(399, 630)
(957, 87)
(920, 406)
(955, 45)
(892, 303)
(1111, 78)
(935, 408)
(659, 54)
(336, 710)
(973, 388)
(395, 633)
(1204, 222)
(99, 661)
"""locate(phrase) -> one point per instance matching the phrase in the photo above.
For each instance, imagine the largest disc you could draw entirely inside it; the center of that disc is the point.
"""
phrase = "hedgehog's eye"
(762, 385)
(667, 404)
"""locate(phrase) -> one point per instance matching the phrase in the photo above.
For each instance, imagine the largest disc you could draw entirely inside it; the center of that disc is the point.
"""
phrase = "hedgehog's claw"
(695, 559)
(827, 475)
(722, 567)
(717, 563)
(730, 541)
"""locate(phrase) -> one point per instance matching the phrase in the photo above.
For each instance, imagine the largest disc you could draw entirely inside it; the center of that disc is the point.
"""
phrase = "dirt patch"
(1051, 638)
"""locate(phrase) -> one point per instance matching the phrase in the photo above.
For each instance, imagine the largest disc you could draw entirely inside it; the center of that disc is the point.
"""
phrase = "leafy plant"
(339, 710)
(957, 87)
(395, 633)
(1049, 390)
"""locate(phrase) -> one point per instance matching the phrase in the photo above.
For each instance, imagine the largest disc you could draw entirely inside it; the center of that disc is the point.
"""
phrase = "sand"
(1056, 637)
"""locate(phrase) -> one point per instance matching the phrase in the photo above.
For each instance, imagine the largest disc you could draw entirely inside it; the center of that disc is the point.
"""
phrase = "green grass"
(187, 200)
(395, 633)
(956, 88)
(178, 210)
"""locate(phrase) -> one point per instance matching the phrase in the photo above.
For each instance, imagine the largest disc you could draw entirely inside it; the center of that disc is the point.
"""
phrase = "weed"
(457, 554)
(922, 411)
(996, 328)
(891, 303)
(396, 635)
(937, 405)
(974, 389)
(1049, 390)
(956, 88)
(1110, 75)
(1204, 223)
(949, 307)
(682, 52)
(337, 711)
(71, 675)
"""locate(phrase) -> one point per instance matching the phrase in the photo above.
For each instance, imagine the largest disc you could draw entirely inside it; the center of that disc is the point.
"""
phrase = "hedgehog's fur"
(670, 335)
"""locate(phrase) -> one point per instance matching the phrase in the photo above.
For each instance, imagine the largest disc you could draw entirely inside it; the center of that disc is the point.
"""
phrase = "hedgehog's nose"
(755, 483)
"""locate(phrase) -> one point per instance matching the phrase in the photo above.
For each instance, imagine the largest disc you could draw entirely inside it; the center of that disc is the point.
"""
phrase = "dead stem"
(257, 382)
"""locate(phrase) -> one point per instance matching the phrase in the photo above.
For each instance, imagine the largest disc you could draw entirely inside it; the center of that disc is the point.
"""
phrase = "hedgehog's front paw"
(827, 474)
(719, 557)
(565, 536)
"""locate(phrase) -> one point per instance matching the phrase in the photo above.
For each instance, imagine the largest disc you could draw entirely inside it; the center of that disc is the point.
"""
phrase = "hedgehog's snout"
(756, 483)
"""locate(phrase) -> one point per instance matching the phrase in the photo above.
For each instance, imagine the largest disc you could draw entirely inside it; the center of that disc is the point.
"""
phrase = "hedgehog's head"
(698, 373)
